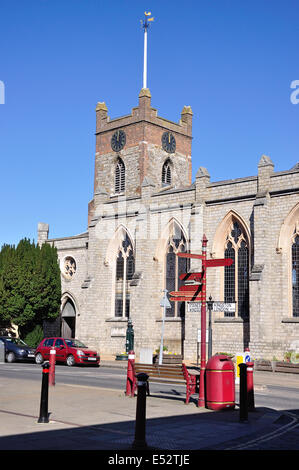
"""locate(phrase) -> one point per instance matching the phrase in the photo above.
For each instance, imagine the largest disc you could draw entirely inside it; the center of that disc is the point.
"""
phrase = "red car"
(70, 351)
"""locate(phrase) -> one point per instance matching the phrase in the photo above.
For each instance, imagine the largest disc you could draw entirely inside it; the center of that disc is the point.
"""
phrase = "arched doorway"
(68, 320)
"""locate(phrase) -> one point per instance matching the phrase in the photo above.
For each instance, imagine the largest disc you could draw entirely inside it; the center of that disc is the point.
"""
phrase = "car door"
(2, 344)
(48, 344)
(60, 350)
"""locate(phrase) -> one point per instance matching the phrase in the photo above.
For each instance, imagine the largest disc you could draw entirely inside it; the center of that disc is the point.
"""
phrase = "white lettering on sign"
(224, 307)
(193, 306)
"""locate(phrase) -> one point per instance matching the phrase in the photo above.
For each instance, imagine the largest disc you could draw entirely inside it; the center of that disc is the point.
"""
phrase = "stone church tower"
(134, 151)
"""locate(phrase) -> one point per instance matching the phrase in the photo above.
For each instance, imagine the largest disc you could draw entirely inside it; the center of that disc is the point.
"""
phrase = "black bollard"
(139, 442)
(43, 414)
(243, 393)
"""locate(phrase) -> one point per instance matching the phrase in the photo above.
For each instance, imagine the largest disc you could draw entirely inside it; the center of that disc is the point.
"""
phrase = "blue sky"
(233, 61)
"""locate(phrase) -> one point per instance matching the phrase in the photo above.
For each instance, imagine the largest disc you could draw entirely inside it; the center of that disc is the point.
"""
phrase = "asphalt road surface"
(283, 395)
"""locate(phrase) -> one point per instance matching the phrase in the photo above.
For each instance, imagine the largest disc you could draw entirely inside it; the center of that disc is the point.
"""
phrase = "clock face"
(168, 142)
(118, 140)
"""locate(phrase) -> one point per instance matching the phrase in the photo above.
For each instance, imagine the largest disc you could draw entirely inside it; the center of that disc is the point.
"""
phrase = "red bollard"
(131, 380)
(52, 367)
(250, 390)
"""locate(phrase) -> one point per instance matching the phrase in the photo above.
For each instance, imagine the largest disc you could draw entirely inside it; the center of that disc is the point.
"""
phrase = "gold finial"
(148, 13)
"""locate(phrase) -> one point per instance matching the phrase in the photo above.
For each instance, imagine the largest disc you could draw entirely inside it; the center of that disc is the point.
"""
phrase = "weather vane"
(145, 24)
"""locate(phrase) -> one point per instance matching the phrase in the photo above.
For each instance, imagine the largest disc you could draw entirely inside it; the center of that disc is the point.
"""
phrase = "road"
(282, 396)
(88, 376)
(103, 377)
(275, 391)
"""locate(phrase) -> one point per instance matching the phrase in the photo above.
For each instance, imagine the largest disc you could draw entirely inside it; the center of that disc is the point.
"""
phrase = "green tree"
(30, 286)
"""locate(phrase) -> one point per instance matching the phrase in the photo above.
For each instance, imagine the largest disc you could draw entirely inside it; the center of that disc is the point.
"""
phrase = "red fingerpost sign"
(197, 292)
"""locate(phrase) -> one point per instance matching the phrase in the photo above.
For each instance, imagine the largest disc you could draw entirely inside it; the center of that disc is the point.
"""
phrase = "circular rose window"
(69, 267)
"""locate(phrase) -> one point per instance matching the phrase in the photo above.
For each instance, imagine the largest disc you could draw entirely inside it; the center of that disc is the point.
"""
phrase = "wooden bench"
(177, 374)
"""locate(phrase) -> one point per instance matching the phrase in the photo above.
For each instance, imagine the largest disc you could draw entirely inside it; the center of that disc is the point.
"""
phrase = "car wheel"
(70, 360)
(39, 358)
(10, 357)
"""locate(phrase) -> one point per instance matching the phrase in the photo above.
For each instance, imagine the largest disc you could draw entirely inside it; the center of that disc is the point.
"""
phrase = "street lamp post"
(130, 337)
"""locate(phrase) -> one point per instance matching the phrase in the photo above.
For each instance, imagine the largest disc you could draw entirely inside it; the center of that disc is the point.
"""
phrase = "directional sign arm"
(191, 288)
(191, 277)
(218, 262)
(186, 299)
(186, 295)
(189, 255)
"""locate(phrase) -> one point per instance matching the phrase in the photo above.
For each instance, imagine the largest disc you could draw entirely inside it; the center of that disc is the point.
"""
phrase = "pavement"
(92, 418)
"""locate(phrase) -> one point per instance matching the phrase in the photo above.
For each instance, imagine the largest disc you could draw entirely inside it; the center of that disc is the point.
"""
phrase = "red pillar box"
(130, 389)
(220, 383)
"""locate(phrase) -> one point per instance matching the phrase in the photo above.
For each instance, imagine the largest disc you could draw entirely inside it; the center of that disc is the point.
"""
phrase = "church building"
(144, 211)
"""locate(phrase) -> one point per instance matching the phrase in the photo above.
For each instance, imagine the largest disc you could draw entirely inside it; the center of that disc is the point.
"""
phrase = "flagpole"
(145, 25)
(145, 59)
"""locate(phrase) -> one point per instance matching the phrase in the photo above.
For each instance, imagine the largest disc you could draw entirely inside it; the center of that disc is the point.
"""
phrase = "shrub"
(34, 337)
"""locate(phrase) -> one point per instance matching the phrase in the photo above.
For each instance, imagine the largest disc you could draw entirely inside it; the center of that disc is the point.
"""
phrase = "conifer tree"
(30, 286)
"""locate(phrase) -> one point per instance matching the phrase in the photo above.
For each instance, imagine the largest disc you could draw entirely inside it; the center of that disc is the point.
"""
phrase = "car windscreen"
(75, 343)
(17, 341)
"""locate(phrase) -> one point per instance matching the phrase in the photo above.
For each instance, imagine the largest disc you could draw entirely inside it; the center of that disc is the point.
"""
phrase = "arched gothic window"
(120, 175)
(166, 173)
(174, 267)
(295, 272)
(236, 276)
(125, 268)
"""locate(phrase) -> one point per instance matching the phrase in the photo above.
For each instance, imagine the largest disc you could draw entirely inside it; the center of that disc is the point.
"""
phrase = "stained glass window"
(125, 268)
(130, 265)
(243, 280)
(174, 267)
(170, 279)
(229, 276)
(118, 305)
(119, 266)
(236, 276)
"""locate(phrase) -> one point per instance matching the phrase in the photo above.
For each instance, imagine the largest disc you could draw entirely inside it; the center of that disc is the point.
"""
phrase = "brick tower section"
(142, 154)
